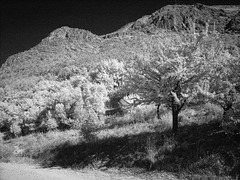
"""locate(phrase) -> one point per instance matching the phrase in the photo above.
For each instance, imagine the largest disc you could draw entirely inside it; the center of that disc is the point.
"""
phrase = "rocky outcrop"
(68, 33)
(186, 17)
(234, 24)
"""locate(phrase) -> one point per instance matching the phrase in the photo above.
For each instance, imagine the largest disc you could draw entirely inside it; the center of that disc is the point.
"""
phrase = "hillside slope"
(82, 48)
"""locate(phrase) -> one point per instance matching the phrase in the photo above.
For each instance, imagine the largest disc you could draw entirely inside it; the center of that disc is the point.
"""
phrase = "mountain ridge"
(67, 44)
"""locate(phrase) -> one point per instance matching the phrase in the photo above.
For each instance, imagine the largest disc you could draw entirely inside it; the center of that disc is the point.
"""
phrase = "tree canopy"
(180, 72)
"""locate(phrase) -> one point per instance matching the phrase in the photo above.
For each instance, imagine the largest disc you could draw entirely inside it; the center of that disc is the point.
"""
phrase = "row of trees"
(66, 97)
(52, 104)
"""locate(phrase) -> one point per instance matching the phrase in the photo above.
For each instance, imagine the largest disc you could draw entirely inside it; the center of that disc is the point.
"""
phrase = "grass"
(6, 152)
(201, 150)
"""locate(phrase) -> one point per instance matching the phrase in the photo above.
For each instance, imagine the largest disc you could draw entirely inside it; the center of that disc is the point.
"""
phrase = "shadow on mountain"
(197, 148)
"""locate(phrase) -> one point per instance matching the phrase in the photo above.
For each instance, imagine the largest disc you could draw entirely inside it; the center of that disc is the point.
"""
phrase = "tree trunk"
(227, 108)
(175, 119)
(174, 116)
(177, 105)
(158, 111)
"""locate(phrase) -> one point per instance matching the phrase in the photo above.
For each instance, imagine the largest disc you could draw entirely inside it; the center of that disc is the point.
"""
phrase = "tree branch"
(183, 103)
(176, 99)
(206, 93)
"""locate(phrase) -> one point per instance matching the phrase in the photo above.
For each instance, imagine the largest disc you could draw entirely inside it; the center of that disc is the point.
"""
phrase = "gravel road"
(10, 171)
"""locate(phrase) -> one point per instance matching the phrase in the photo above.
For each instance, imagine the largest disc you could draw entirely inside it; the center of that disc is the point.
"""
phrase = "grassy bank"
(144, 148)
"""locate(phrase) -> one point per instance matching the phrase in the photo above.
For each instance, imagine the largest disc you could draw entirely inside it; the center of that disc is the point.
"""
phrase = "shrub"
(189, 116)
(16, 129)
(213, 111)
(89, 123)
(231, 121)
(164, 123)
(151, 151)
(6, 152)
(51, 124)
(1, 137)
(87, 131)
(141, 113)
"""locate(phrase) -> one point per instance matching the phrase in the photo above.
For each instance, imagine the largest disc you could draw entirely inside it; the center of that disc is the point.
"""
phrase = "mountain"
(66, 46)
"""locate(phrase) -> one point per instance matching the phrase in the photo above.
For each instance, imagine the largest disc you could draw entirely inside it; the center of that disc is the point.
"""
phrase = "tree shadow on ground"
(195, 148)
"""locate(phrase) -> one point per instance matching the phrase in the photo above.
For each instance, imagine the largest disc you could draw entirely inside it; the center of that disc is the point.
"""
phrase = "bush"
(89, 123)
(87, 131)
(187, 116)
(231, 121)
(151, 150)
(51, 124)
(141, 113)
(6, 152)
(164, 123)
(35, 146)
(16, 129)
(213, 111)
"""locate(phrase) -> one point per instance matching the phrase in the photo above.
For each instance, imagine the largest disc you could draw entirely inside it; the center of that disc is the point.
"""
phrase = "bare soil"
(12, 171)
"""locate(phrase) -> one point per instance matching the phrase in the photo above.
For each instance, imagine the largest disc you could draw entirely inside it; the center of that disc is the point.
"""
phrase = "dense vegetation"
(76, 81)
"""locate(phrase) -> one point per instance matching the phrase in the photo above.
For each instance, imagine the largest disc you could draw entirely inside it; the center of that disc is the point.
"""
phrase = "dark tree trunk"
(177, 105)
(227, 108)
(175, 112)
(158, 111)
(176, 108)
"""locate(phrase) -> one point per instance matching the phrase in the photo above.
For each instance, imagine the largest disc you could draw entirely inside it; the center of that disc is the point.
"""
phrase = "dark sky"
(24, 23)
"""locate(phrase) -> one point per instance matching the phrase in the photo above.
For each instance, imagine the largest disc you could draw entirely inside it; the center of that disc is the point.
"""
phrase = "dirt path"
(9, 171)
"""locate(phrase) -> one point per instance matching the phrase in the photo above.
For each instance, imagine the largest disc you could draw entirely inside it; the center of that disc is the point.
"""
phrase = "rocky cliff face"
(181, 17)
(66, 46)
